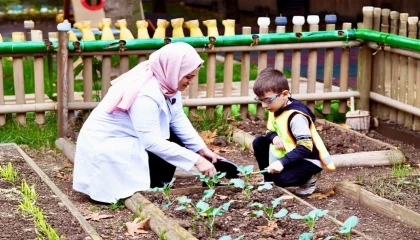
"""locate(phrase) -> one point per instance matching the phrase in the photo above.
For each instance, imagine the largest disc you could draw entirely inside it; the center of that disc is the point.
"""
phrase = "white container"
(263, 21)
(313, 19)
(298, 20)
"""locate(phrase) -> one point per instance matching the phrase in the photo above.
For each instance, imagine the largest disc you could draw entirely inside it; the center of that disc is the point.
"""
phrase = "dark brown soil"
(237, 220)
(59, 170)
(13, 224)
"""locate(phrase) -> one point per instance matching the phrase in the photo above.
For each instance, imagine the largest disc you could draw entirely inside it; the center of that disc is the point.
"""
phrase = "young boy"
(292, 150)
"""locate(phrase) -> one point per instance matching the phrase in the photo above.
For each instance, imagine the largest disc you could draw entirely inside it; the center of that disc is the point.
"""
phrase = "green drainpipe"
(388, 39)
(220, 41)
(24, 47)
(270, 38)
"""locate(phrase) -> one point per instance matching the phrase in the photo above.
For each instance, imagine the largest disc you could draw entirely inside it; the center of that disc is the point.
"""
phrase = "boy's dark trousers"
(294, 173)
(161, 171)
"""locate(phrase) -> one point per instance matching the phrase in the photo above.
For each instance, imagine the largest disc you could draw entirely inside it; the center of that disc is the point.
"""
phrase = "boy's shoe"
(309, 187)
(264, 182)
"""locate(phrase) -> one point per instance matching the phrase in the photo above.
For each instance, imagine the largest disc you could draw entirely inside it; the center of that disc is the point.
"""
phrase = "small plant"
(230, 238)
(268, 212)
(359, 179)
(239, 183)
(162, 234)
(211, 182)
(348, 225)
(8, 173)
(401, 170)
(203, 210)
(246, 172)
(28, 193)
(311, 218)
(166, 190)
(94, 208)
(306, 236)
(119, 204)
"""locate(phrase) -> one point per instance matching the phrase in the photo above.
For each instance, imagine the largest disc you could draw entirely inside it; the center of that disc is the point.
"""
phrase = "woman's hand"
(278, 143)
(210, 155)
(205, 167)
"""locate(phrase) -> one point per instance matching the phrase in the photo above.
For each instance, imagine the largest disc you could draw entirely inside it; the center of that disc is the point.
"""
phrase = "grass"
(32, 135)
(401, 170)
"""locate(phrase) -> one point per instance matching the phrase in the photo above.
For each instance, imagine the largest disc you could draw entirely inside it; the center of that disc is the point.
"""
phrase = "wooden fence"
(387, 75)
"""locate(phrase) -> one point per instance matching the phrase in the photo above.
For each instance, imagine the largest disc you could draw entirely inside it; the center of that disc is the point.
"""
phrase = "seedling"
(162, 234)
(202, 210)
(246, 172)
(211, 182)
(306, 236)
(119, 204)
(348, 225)
(310, 218)
(268, 212)
(401, 170)
(166, 190)
(28, 193)
(239, 183)
(8, 173)
(230, 238)
(186, 203)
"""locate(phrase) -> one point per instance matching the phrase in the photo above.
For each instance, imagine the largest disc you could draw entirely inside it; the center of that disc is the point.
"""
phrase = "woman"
(134, 139)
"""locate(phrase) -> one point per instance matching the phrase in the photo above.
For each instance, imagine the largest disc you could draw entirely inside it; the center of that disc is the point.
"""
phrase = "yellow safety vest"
(280, 125)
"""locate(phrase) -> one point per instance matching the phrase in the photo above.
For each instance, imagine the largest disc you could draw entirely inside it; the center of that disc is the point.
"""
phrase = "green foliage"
(348, 225)
(166, 190)
(306, 236)
(8, 173)
(212, 181)
(119, 204)
(239, 183)
(246, 172)
(210, 120)
(311, 218)
(162, 234)
(401, 170)
(33, 135)
(334, 115)
(28, 192)
(267, 212)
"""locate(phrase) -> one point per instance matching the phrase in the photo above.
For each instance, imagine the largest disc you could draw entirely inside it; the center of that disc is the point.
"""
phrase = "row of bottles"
(142, 33)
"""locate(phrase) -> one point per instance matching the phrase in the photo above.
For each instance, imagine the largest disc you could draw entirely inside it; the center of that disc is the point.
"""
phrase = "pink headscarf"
(169, 65)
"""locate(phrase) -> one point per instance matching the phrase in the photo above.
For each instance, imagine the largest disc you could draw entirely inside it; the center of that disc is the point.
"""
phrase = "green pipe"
(23, 47)
(388, 39)
(198, 42)
(270, 38)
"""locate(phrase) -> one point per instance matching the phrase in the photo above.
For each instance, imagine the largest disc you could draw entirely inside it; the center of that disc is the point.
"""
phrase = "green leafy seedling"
(211, 212)
(348, 225)
(311, 218)
(306, 236)
(239, 183)
(186, 203)
(166, 191)
(8, 173)
(211, 183)
(268, 212)
(230, 238)
(246, 172)
(28, 193)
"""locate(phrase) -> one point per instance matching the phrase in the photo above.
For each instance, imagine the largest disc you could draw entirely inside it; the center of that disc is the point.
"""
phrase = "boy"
(292, 150)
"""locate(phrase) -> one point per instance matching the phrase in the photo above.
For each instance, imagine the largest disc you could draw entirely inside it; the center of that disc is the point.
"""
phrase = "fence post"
(364, 66)
(62, 85)
(18, 78)
(313, 21)
(36, 35)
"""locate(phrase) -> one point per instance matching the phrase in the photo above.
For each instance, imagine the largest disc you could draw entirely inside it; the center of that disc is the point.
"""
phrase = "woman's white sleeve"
(144, 114)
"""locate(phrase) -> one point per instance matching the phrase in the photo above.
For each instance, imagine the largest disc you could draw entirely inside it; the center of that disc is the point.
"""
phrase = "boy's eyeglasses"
(267, 100)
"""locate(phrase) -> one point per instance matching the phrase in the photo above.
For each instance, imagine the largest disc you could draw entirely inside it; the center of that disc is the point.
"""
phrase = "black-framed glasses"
(267, 100)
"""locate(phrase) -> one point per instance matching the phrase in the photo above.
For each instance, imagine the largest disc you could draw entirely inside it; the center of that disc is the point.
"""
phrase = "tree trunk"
(124, 9)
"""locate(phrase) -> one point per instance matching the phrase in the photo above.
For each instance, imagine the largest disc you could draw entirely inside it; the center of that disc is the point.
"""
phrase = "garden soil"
(59, 169)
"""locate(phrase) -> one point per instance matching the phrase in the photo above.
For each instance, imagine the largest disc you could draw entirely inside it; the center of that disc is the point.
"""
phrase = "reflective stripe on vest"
(280, 126)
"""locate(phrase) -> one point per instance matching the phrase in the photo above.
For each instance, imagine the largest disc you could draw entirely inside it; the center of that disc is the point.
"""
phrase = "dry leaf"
(323, 195)
(222, 197)
(137, 227)
(319, 128)
(271, 225)
(227, 150)
(215, 149)
(97, 216)
(208, 136)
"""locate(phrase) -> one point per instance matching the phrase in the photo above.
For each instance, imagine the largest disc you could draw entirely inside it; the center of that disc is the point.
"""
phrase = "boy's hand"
(278, 143)
(275, 167)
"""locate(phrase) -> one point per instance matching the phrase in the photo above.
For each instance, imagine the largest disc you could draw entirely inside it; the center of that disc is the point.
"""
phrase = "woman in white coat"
(138, 134)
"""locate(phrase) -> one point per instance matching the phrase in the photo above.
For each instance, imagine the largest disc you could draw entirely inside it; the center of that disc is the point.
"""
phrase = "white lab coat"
(111, 161)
